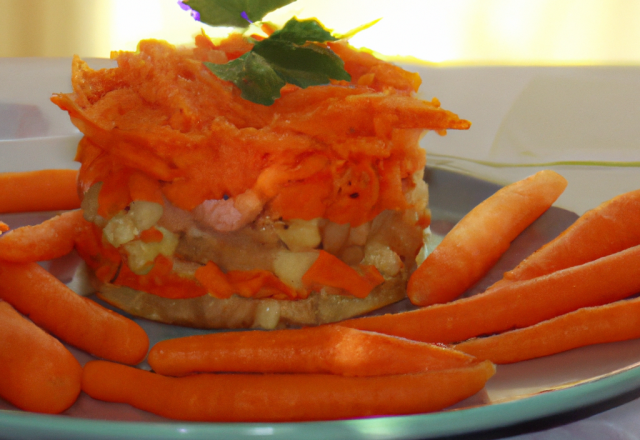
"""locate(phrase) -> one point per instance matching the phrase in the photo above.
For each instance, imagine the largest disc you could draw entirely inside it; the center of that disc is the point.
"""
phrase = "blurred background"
(517, 32)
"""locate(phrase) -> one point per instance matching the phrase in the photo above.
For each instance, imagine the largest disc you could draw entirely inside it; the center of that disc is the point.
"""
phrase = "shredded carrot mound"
(162, 113)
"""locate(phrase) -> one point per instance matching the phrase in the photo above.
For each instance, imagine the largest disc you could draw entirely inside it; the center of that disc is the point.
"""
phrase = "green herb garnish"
(232, 12)
(296, 54)
(290, 55)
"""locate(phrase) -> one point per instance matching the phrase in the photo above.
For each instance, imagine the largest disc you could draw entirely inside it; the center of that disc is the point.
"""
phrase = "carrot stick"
(516, 305)
(605, 230)
(618, 321)
(329, 270)
(474, 245)
(281, 397)
(75, 319)
(46, 190)
(326, 349)
(50, 239)
(37, 373)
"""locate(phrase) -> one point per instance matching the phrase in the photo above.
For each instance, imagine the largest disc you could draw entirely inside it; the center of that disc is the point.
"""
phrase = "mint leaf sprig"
(230, 12)
(296, 54)
(290, 55)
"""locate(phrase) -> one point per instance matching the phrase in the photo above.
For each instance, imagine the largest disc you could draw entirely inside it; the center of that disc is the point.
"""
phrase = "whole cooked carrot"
(618, 321)
(325, 349)
(74, 319)
(516, 305)
(281, 397)
(37, 373)
(46, 190)
(50, 239)
(607, 229)
(474, 245)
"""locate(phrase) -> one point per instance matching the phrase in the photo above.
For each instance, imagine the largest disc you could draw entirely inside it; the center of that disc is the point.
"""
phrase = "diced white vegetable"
(300, 235)
(291, 266)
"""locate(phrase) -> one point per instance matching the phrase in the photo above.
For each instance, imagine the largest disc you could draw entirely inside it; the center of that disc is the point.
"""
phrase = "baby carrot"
(516, 305)
(474, 245)
(45, 190)
(77, 320)
(618, 321)
(607, 229)
(281, 397)
(326, 349)
(37, 373)
(50, 239)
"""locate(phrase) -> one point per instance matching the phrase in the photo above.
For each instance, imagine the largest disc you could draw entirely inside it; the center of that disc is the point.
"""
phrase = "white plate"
(520, 392)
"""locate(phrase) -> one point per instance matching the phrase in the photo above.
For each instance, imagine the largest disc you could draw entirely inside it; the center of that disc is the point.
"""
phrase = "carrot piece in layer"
(281, 397)
(50, 239)
(516, 305)
(151, 235)
(325, 349)
(259, 283)
(45, 190)
(214, 280)
(144, 187)
(79, 321)
(329, 270)
(605, 230)
(114, 194)
(618, 321)
(37, 373)
(474, 245)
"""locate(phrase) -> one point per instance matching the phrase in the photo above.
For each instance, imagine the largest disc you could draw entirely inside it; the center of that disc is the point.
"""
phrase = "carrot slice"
(75, 319)
(281, 397)
(605, 230)
(214, 280)
(37, 373)
(50, 239)
(474, 245)
(3, 227)
(45, 190)
(618, 321)
(516, 305)
(329, 270)
(151, 235)
(326, 349)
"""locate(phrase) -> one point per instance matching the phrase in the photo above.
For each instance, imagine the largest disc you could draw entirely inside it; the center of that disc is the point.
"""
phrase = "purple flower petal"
(195, 14)
(245, 16)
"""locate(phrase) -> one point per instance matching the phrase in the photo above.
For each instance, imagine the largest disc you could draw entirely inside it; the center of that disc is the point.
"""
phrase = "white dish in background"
(520, 392)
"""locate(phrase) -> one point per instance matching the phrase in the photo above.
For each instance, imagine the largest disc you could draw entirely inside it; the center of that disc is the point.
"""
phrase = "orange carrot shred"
(144, 187)
(45, 190)
(3, 227)
(114, 194)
